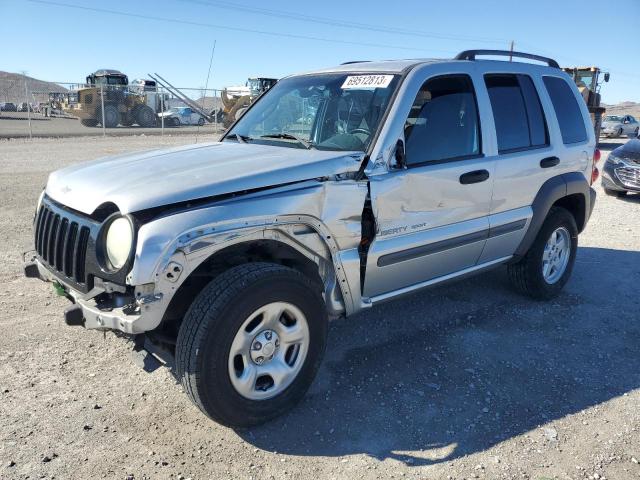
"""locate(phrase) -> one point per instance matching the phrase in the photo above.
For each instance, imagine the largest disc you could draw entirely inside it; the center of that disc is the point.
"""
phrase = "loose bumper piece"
(73, 316)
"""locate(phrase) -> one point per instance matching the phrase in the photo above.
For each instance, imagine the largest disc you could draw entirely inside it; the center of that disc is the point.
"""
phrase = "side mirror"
(401, 159)
(606, 77)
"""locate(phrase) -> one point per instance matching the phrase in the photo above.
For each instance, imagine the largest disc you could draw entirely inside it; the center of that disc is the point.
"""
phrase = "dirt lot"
(468, 380)
(16, 125)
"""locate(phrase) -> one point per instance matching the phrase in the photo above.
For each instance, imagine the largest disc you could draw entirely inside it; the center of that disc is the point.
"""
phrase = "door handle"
(549, 162)
(476, 176)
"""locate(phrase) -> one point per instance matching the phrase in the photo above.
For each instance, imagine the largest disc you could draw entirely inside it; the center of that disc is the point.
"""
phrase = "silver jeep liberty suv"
(337, 190)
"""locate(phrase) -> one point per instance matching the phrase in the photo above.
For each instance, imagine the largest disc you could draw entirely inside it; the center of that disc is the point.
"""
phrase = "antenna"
(206, 84)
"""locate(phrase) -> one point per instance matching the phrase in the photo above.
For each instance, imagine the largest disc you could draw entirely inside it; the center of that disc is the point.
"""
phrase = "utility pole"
(26, 97)
(511, 50)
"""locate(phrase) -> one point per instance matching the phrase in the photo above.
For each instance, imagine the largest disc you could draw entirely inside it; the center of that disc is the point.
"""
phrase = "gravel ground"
(468, 380)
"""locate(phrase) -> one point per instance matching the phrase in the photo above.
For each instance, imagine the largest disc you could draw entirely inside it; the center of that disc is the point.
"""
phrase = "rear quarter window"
(567, 110)
(517, 113)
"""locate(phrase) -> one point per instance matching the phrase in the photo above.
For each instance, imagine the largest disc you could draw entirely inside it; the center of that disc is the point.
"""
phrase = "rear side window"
(443, 123)
(518, 116)
(567, 110)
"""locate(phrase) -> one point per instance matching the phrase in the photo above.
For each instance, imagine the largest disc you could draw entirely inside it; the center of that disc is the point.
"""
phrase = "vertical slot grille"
(62, 244)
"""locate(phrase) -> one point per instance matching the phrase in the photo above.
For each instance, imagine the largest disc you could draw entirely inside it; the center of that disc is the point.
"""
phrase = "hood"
(151, 179)
(629, 151)
(611, 124)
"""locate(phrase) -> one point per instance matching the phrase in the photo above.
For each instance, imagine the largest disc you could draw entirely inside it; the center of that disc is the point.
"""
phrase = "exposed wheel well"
(576, 205)
(270, 251)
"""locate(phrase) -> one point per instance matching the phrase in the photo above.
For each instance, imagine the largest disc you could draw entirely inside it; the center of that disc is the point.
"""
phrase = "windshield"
(612, 118)
(329, 112)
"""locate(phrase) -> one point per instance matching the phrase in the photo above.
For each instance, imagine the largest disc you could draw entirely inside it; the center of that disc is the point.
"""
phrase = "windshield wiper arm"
(289, 136)
(240, 138)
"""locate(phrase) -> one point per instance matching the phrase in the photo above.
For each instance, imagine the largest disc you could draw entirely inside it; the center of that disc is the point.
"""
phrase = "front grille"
(61, 242)
(629, 176)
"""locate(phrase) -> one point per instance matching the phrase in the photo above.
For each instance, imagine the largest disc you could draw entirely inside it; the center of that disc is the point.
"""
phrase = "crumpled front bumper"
(126, 313)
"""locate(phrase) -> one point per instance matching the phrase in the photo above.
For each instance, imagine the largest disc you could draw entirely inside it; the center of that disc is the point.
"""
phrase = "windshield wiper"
(240, 138)
(288, 136)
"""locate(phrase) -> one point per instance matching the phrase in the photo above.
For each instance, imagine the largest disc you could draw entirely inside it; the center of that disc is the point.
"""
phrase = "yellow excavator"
(236, 100)
(109, 90)
(589, 81)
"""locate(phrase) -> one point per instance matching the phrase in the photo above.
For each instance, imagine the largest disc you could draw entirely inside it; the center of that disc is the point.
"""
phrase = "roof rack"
(471, 55)
(355, 61)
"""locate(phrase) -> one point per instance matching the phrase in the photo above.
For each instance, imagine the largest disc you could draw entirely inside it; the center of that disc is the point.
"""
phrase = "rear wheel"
(251, 343)
(547, 266)
(145, 116)
(200, 121)
(111, 116)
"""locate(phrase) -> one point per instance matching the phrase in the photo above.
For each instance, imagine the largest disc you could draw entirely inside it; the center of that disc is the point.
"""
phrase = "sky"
(52, 41)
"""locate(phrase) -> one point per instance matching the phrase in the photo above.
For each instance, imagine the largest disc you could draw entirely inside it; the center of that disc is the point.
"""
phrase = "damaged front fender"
(326, 229)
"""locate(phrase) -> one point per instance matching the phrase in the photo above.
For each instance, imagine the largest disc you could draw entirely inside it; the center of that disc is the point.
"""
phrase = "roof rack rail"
(471, 55)
(355, 61)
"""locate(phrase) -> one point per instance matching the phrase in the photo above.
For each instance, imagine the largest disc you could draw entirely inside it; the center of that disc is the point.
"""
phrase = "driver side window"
(443, 123)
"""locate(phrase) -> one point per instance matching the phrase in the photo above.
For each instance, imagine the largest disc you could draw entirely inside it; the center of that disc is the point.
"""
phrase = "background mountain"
(624, 108)
(12, 87)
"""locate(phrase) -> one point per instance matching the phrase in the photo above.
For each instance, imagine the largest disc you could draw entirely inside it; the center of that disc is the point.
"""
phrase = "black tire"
(111, 115)
(527, 275)
(211, 323)
(175, 121)
(619, 133)
(200, 121)
(145, 117)
(89, 122)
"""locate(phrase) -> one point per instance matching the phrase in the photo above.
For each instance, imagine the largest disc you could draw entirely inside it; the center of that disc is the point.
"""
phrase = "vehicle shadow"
(608, 146)
(457, 369)
(630, 197)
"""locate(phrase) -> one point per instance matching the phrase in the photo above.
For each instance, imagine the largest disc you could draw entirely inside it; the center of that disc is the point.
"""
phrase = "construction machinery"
(589, 82)
(236, 100)
(107, 99)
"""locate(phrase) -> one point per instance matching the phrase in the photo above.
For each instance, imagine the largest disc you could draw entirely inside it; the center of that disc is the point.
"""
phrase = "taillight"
(595, 173)
(596, 155)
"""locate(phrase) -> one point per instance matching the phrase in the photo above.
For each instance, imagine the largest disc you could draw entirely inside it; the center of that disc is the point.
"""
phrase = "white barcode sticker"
(367, 81)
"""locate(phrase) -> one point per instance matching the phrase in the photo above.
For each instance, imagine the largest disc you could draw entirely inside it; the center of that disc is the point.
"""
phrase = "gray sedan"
(619, 125)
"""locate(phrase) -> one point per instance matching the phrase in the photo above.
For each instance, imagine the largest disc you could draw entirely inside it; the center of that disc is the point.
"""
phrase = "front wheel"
(251, 343)
(547, 266)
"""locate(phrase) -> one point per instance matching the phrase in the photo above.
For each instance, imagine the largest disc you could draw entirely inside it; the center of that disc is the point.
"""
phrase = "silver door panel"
(403, 260)
(506, 231)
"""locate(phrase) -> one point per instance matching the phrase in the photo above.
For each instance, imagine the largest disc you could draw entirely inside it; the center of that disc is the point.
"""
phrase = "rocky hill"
(12, 87)
(624, 108)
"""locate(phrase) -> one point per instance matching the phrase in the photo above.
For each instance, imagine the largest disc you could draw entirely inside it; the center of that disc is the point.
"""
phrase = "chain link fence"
(109, 105)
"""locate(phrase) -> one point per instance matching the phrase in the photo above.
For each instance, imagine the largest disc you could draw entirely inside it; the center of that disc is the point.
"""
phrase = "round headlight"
(39, 204)
(119, 242)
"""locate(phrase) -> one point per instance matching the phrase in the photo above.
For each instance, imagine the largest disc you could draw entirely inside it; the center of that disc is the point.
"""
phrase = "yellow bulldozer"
(236, 100)
(109, 90)
(589, 81)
